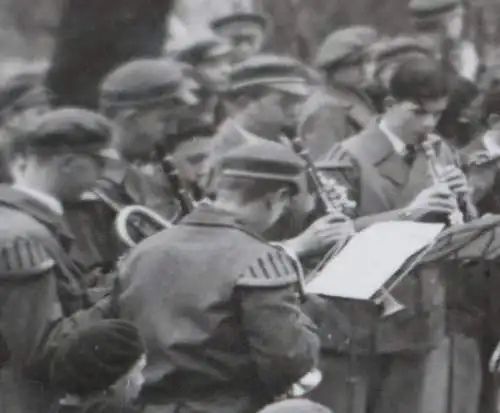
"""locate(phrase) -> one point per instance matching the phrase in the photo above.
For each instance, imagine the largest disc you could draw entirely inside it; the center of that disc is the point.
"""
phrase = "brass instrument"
(333, 195)
(466, 210)
(143, 221)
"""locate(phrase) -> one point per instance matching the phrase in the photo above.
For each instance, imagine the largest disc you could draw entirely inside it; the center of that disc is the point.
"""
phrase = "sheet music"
(371, 258)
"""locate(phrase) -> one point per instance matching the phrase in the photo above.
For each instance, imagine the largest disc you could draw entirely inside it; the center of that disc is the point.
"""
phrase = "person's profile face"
(418, 120)
(246, 40)
(353, 75)
(216, 71)
(74, 174)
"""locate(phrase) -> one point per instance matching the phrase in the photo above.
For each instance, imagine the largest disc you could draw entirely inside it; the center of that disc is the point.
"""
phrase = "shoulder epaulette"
(273, 269)
(23, 257)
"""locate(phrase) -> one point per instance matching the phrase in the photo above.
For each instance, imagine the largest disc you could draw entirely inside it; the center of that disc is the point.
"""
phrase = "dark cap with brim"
(203, 49)
(273, 71)
(144, 82)
(238, 18)
(401, 46)
(427, 8)
(67, 130)
(345, 46)
(23, 91)
(264, 161)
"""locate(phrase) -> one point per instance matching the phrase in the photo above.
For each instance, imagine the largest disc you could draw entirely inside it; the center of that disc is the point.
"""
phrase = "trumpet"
(466, 210)
(133, 223)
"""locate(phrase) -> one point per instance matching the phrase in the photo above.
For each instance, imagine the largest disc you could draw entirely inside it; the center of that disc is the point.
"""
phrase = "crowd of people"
(154, 253)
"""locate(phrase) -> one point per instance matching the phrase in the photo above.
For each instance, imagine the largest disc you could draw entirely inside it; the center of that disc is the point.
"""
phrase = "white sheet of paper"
(371, 257)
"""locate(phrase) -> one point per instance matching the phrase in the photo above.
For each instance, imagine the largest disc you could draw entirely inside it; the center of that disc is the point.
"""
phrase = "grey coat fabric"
(218, 312)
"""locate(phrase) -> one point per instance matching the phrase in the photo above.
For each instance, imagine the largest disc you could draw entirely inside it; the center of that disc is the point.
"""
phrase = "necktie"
(410, 154)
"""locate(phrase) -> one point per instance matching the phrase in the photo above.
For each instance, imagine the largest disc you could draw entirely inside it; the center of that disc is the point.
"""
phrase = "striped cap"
(238, 18)
(397, 49)
(426, 8)
(23, 257)
(345, 46)
(263, 160)
(280, 72)
(202, 48)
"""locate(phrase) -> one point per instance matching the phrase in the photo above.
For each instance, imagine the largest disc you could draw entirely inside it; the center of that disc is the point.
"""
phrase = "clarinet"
(179, 187)
(466, 210)
(335, 200)
(333, 195)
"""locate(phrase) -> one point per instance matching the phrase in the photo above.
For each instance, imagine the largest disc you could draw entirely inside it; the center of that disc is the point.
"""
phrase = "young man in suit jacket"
(390, 180)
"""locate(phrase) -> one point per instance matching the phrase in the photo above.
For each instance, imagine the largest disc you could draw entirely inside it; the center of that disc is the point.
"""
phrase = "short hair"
(249, 189)
(419, 79)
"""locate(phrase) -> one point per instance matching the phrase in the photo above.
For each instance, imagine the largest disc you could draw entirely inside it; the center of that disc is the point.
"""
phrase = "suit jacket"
(92, 222)
(383, 182)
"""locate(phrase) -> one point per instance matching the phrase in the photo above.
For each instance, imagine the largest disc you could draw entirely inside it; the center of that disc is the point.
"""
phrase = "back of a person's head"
(92, 359)
(418, 80)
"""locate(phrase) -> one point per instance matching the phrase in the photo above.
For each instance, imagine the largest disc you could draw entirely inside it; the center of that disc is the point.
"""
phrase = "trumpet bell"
(390, 305)
(136, 222)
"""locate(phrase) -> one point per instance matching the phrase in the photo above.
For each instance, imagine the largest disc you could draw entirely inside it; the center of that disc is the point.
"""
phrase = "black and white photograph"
(249, 206)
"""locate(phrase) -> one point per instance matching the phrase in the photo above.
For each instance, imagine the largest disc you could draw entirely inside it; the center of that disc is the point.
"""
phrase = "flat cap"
(66, 129)
(295, 406)
(24, 90)
(263, 160)
(280, 72)
(238, 18)
(425, 8)
(144, 82)
(345, 46)
(203, 47)
(399, 46)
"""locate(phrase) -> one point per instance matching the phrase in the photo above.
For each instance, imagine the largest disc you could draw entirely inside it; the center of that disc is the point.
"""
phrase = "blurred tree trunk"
(95, 36)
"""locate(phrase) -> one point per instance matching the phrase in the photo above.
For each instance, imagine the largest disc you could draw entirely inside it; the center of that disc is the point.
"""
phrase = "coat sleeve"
(31, 316)
(282, 339)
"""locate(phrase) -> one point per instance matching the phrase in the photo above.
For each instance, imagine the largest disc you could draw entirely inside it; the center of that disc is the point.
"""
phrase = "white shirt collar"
(491, 145)
(398, 145)
(48, 200)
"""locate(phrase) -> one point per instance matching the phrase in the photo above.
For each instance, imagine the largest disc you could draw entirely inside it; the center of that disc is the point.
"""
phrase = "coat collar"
(377, 150)
(206, 215)
(31, 206)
